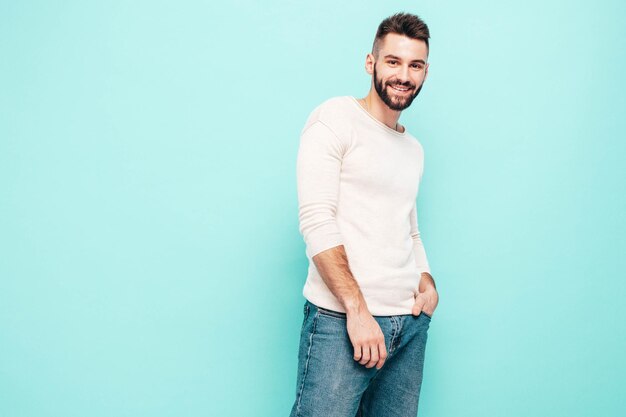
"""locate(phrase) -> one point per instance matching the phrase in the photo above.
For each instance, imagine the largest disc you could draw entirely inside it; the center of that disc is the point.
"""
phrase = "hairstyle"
(405, 24)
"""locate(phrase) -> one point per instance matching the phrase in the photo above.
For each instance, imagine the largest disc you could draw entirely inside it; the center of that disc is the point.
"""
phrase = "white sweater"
(357, 184)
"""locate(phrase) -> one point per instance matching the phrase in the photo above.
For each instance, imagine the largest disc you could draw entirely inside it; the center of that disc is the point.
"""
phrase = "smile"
(400, 89)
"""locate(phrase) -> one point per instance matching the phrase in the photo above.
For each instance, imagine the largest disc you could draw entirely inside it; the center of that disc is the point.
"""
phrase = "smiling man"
(369, 293)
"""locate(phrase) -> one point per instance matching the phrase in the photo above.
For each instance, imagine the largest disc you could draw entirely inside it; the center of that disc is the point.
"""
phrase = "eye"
(417, 66)
(392, 62)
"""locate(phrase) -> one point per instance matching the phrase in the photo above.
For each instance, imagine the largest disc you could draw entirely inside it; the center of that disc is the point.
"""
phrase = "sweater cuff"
(321, 239)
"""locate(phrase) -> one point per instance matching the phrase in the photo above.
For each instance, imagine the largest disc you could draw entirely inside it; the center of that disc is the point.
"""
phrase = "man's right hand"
(364, 332)
(367, 339)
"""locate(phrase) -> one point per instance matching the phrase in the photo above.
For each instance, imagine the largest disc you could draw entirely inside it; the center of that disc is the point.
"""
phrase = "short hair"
(406, 24)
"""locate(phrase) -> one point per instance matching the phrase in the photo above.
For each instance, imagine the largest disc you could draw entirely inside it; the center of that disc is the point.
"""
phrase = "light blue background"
(151, 263)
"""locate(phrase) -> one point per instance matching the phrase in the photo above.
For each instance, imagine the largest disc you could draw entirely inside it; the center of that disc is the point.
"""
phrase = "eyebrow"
(399, 59)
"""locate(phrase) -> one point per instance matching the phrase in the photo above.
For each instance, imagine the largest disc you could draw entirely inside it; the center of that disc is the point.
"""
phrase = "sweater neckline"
(375, 120)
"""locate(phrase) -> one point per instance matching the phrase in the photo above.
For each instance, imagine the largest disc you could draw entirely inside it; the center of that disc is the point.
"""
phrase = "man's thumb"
(417, 307)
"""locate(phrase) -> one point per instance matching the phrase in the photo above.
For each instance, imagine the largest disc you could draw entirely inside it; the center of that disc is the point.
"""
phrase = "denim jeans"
(331, 383)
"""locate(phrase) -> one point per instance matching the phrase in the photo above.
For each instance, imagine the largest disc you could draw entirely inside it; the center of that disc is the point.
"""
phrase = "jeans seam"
(396, 329)
(306, 365)
(306, 314)
(394, 334)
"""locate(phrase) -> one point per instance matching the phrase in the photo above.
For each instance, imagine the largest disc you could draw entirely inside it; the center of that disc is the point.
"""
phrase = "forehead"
(403, 47)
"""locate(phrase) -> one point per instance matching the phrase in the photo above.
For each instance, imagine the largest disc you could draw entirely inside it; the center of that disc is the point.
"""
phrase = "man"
(370, 295)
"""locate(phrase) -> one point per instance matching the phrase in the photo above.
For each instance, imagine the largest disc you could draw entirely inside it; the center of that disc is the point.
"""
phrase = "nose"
(403, 74)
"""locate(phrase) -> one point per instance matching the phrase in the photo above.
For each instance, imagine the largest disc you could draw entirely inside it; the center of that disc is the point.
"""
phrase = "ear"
(369, 64)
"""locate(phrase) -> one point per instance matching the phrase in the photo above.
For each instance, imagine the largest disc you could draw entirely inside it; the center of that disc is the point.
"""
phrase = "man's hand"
(365, 334)
(427, 298)
(367, 339)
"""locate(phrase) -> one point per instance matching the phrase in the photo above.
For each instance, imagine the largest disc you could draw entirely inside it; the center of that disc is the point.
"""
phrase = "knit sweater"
(357, 183)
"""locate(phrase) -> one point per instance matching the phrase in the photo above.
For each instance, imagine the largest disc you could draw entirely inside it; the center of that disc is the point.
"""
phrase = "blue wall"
(151, 263)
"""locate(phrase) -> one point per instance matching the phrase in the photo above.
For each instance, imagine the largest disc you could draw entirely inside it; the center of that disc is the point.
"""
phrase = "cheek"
(389, 80)
(418, 80)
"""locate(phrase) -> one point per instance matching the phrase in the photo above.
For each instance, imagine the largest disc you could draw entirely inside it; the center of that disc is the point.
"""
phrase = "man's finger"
(373, 357)
(366, 355)
(357, 352)
(418, 306)
(382, 355)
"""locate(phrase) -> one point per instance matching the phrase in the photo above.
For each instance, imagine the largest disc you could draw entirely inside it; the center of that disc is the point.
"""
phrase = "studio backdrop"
(150, 258)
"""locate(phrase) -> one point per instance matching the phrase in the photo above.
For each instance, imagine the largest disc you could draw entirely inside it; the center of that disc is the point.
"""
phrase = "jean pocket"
(331, 313)
(429, 317)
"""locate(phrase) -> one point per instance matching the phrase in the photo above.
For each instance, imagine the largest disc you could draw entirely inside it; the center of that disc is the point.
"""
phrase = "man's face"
(399, 70)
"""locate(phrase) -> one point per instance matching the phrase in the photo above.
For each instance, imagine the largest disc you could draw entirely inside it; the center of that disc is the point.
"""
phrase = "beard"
(395, 103)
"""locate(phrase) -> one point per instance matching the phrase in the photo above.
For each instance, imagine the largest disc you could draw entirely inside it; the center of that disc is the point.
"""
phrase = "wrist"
(426, 282)
(354, 305)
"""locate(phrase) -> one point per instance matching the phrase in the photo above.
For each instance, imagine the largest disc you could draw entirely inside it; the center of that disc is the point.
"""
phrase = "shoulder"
(418, 150)
(416, 143)
(413, 140)
(334, 113)
(416, 146)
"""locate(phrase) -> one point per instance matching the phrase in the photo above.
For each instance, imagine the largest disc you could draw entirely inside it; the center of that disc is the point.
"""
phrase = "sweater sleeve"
(418, 247)
(318, 171)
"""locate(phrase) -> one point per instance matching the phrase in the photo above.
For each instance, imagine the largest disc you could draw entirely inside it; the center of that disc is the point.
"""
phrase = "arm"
(426, 296)
(364, 331)
(318, 173)
(332, 264)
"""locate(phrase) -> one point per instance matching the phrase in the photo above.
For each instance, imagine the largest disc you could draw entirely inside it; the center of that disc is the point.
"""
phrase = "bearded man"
(370, 297)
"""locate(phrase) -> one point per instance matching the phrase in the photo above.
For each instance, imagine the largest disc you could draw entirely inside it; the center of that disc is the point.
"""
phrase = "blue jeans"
(331, 383)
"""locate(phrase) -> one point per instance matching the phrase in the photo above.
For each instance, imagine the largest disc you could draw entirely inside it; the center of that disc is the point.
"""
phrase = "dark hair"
(405, 24)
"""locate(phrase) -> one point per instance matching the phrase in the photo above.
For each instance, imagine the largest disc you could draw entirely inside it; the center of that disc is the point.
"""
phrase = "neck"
(377, 108)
